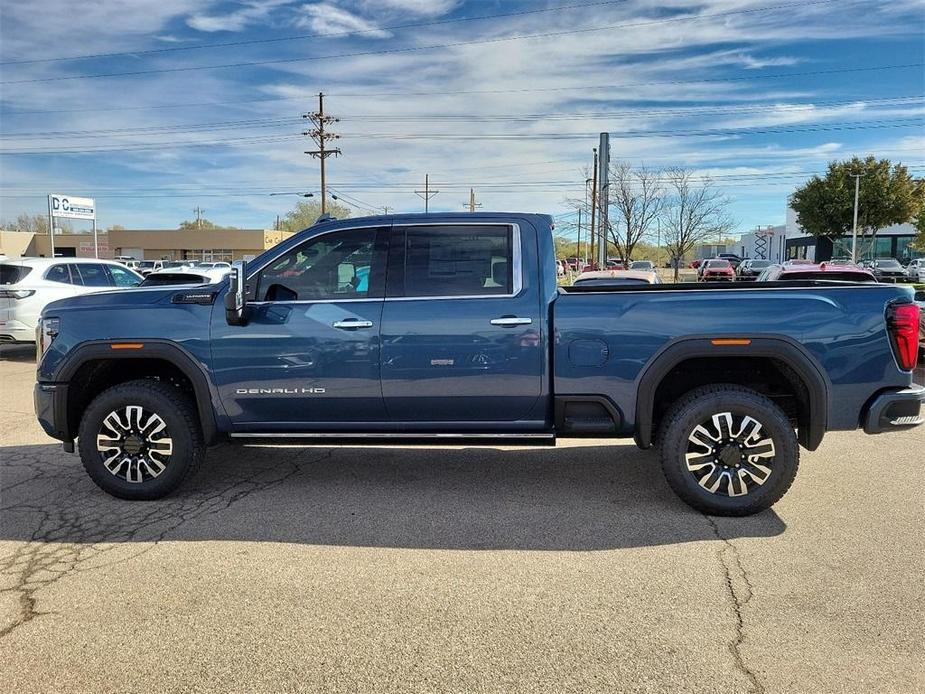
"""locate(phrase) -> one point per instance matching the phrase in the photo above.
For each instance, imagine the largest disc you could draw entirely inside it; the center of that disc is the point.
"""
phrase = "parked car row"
(27, 285)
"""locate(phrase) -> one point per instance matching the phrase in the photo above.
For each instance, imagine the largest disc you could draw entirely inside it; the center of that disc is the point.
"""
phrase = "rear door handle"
(508, 321)
(352, 324)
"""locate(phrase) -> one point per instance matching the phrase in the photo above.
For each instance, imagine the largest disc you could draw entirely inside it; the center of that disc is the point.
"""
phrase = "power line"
(626, 134)
(460, 92)
(411, 49)
(300, 37)
(189, 128)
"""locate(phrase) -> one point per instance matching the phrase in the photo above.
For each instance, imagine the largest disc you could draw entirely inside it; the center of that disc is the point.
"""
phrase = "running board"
(406, 438)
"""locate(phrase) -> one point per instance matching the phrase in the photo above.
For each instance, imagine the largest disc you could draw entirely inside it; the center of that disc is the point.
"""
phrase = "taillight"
(903, 324)
(16, 293)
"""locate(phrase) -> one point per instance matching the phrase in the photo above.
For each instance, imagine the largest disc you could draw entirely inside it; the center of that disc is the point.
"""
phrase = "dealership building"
(146, 244)
(790, 241)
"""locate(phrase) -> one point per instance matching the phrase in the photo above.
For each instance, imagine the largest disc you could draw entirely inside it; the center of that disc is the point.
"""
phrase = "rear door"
(461, 338)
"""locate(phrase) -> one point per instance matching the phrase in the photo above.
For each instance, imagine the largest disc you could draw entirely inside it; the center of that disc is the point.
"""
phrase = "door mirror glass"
(235, 300)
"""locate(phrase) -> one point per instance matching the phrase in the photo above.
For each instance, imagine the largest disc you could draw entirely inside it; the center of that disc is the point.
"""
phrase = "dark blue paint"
(440, 365)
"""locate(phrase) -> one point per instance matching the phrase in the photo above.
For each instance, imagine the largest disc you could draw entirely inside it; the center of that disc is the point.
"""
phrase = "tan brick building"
(147, 244)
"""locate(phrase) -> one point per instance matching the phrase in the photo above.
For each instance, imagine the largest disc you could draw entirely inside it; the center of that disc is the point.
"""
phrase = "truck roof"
(431, 217)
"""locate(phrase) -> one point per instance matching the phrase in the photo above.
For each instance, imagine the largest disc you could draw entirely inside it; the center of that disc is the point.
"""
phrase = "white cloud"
(424, 8)
(325, 18)
(252, 12)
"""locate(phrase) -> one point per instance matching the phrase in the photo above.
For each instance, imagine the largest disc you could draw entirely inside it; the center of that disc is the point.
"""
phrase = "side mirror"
(235, 299)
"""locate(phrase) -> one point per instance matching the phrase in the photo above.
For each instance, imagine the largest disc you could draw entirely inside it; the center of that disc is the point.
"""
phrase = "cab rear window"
(12, 274)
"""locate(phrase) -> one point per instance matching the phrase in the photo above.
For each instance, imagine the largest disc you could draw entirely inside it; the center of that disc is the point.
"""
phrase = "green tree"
(888, 195)
(919, 223)
(304, 214)
(201, 223)
(34, 223)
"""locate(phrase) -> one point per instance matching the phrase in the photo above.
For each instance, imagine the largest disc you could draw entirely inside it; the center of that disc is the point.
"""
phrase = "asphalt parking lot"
(456, 570)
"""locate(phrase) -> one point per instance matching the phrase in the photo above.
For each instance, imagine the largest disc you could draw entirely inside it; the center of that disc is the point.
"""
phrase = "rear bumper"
(16, 331)
(895, 410)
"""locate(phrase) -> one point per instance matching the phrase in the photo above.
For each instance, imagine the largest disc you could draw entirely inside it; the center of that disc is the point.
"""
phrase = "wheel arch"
(159, 358)
(791, 360)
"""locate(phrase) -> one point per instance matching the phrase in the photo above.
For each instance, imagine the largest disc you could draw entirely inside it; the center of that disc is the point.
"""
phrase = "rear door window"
(93, 275)
(455, 260)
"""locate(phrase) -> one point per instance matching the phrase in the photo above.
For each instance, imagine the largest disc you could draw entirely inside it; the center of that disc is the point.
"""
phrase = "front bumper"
(895, 410)
(50, 400)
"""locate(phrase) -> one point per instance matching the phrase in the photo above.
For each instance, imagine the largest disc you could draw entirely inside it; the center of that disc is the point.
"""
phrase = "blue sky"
(506, 97)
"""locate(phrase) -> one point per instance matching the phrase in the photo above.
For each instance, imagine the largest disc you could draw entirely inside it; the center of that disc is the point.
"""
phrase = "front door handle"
(509, 321)
(352, 324)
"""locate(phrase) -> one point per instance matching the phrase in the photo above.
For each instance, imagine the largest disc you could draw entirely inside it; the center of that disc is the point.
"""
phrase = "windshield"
(758, 264)
(145, 264)
(890, 263)
(641, 265)
(718, 263)
(11, 274)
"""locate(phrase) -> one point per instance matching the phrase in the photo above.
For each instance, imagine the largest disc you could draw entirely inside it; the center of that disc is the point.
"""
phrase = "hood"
(129, 298)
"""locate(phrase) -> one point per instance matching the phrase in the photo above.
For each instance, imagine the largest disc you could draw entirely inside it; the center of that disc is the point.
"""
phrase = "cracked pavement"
(455, 570)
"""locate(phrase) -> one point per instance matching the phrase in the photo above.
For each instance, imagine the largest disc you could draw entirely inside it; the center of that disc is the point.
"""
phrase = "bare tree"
(694, 210)
(638, 197)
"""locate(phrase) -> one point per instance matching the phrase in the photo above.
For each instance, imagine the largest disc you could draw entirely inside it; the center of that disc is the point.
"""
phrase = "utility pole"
(320, 135)
(198, 212)
(603, 198)
(854, 230)
(426, 194)
(472, 204)
(593, 205)
(578, 245)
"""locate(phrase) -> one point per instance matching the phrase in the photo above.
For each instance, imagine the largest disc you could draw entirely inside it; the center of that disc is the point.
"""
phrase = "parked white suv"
(27, 285)
(915, 270)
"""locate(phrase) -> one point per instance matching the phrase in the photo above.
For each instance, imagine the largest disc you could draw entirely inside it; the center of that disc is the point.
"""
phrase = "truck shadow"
(580, 497)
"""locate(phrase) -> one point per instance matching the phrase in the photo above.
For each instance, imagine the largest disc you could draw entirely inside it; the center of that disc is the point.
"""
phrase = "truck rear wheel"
(728, 451)
(140, 439)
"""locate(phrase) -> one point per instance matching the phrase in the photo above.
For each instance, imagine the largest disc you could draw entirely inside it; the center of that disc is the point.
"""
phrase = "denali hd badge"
(279, 391)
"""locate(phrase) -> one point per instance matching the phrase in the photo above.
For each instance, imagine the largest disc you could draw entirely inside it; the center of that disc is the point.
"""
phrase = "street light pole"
(854, 231)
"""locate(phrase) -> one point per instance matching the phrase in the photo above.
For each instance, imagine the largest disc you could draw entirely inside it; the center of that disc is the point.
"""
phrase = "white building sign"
(71, 207)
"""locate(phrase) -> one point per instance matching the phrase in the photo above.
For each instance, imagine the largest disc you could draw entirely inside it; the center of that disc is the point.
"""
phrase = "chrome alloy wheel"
(729, 453)
(134, 444)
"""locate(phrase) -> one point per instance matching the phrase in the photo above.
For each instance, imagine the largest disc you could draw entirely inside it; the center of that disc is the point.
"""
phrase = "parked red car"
(717, 269)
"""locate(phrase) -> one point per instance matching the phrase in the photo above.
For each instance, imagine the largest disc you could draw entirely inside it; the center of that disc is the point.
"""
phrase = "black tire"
(140, 455)
(732, 463)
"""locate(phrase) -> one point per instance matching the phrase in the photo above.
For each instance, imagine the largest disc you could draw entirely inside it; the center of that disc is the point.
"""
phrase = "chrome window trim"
(516, 265)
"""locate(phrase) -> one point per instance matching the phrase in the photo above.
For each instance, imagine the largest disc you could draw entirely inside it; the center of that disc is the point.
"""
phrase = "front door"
(461, 327)
(308, 357)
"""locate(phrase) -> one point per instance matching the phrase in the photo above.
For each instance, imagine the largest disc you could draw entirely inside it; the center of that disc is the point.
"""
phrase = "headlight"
(45, 333)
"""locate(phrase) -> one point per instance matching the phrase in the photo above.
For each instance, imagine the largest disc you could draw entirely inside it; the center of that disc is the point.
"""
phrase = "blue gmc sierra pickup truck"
(448, 328)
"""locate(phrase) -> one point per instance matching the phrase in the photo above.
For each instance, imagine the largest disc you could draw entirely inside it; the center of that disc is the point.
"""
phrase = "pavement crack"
(73, 523)
(734, 573)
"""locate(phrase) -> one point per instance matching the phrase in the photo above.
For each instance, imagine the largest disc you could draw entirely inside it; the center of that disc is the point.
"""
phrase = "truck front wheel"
(140, 439)
(728, 451)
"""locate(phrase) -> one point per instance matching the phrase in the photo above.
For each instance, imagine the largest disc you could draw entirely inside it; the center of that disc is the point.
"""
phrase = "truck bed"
(606, 337)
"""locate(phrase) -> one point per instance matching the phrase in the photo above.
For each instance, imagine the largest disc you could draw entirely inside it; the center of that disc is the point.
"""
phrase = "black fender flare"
(779, 347)
(151, 349)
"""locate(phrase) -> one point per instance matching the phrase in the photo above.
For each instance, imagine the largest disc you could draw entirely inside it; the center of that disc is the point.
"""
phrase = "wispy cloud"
(326, 18)
(251, 12)
(392, 104)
